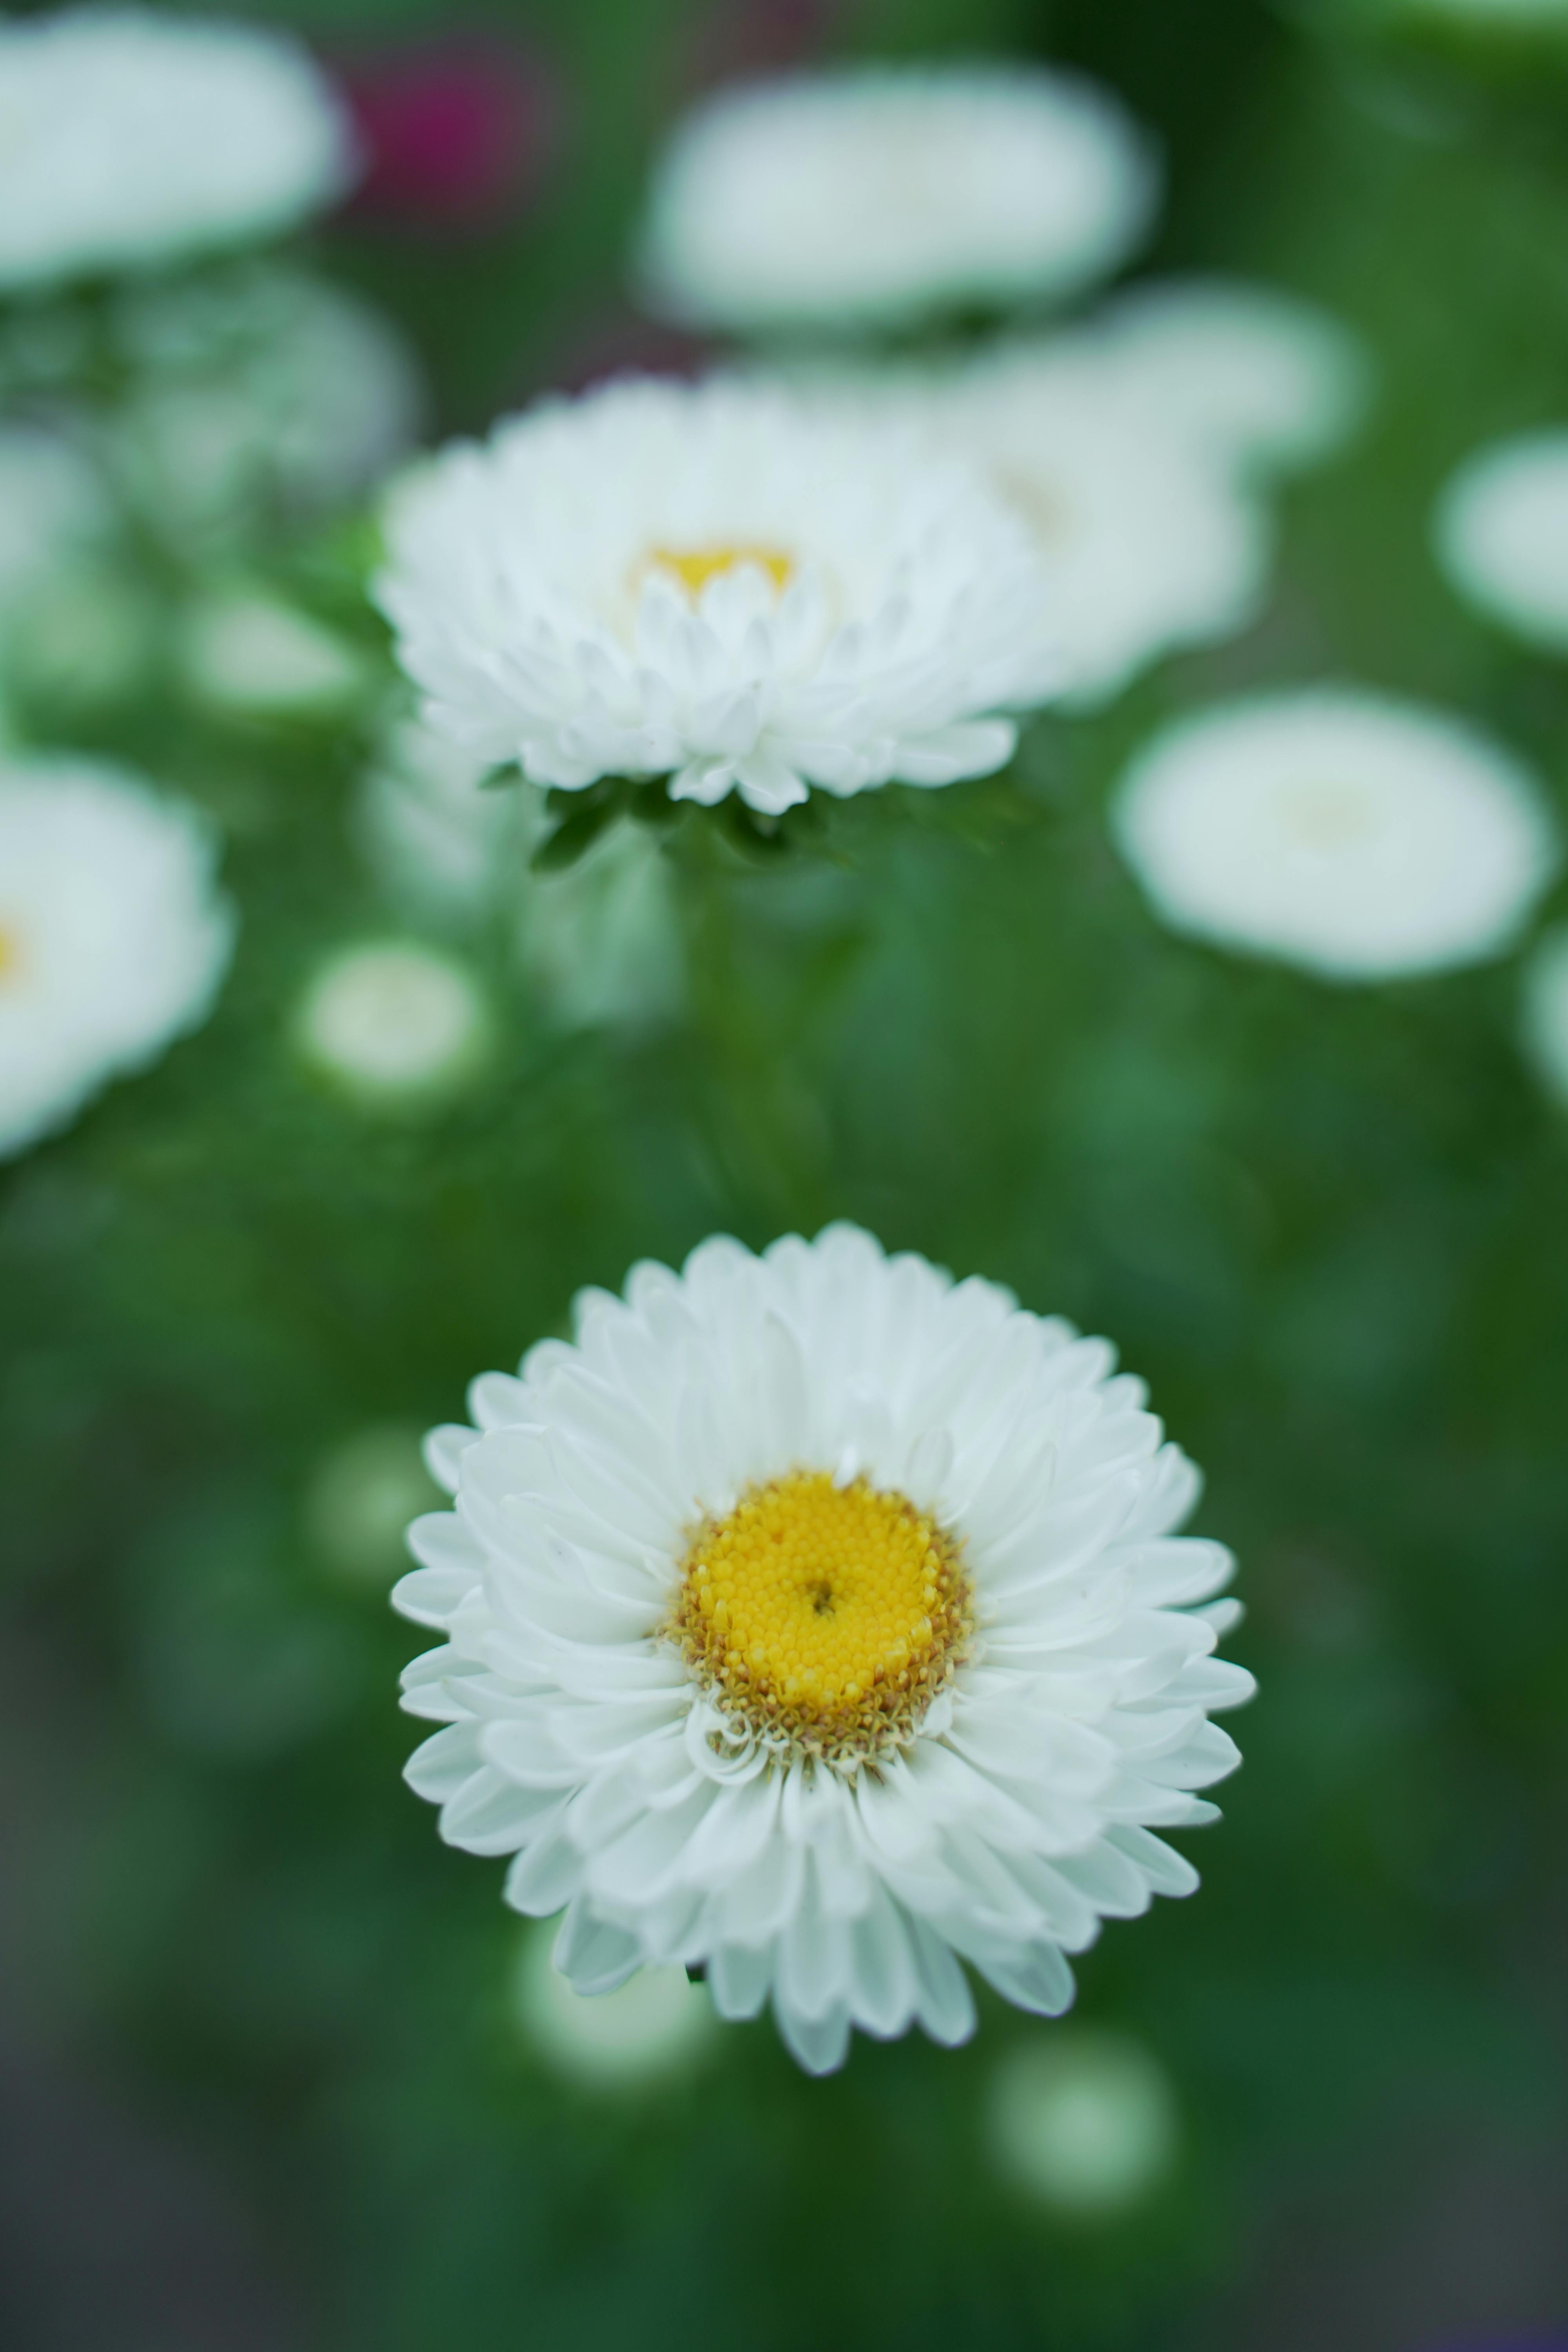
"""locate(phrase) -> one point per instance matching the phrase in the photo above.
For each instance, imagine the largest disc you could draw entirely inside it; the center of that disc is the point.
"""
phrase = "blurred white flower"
(821, 1621)
(113, 938)
(1146, 539)
(247, 652)
(263, 393)
(1546, 1012)
(1338, 829)
(732, 585)
(129, 139)
(395, 1022)
(878, 194)
(1501, 535)
(53, 510)
(1083, 2119)
(1260, 379)
(655, 2025)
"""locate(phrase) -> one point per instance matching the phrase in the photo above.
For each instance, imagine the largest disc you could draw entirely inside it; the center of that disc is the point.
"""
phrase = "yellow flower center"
(693, 567)
(10, 954)
(829, 1614)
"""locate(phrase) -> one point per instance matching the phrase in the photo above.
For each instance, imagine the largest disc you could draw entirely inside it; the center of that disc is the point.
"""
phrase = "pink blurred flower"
(456, 132)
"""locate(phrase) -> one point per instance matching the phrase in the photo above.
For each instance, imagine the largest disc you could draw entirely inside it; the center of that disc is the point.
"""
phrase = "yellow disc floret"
(693, 567)
(827, 1614)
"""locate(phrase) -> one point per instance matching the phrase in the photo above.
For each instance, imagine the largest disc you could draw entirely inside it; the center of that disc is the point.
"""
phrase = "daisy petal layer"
(737, 586)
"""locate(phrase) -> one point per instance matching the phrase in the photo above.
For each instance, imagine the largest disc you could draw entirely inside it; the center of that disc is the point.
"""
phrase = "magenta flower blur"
(457, 133)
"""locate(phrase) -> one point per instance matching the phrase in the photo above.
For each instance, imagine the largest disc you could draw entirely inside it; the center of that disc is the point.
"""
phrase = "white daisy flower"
(879, 193)
(53, 510)
(1546, 1012)
(819, 1622)
(112, 937)
(732, 585)
(1501, 535)
(1257, 377)
(1146, 541)
(1360, 837)
(129, 139)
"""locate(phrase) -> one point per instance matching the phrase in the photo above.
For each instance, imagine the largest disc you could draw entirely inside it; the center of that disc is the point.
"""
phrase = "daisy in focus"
(1501, 535)
(733, 586)
(113, 938)
(876, 195)
(819, 1622)
(1340, 830)
(129, 139)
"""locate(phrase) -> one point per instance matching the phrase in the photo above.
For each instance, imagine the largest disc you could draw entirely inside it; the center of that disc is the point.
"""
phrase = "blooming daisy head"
(733, 585)
(878, 194)
(1261, 379)
(128, 138)
(1502, 533)
(112, 937)
(819, 1622)
(1145, 540)
(1338, 829)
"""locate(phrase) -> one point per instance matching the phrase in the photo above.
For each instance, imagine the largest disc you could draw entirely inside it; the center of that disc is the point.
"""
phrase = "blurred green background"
(265, 2081)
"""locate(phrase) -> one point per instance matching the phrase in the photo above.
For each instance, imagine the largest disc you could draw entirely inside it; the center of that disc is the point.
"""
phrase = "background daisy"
(1337, 829)
(866, 197)
(113, 940)
(128, 138)
(1501, 535)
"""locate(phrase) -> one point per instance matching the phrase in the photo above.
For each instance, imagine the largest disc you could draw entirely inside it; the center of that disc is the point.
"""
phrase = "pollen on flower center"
(829, 1614)
(694, 567)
